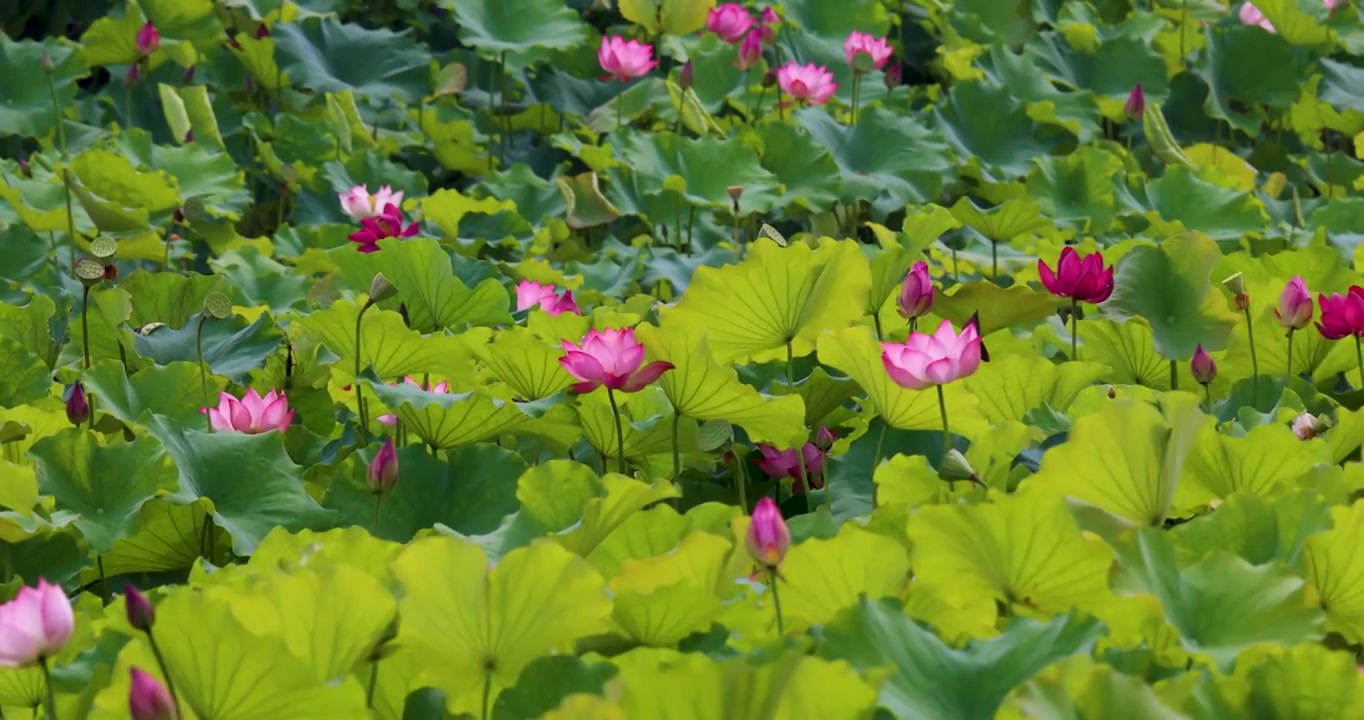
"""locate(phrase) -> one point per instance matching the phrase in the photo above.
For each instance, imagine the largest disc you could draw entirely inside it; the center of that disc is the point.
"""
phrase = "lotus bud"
(955, 466)
(894, 75)
(148, 699)
(769, 78)
(148, 39)
(383, 469)
(134, 74)
(263, 31)
(825, 438)
(1235, 283)
(1294, 310)
(687, 76)
(1305, 426)
(768, 537)
(188, 79)
(141, 614)
(46, 63)
(381, 289)
(77, 407)
(1135, 106)
(1202, 366)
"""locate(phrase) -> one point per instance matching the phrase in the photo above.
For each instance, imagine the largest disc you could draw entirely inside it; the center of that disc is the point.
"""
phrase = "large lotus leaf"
(421, 271)
(1080, 687)
(169, 538)
(1181, 201)
(1247, 68)
(517, 26)
(1011, 385)
(659, 601)
(933, 681)
(20, 489)
(1003, 222)
(1221, 605)
(1026, 552)
(470, 492)
(476, 626)
(176, 391)
(676, 17)
(1128, 350)
(113, 178)
(339, 546)
(855, 352)
(546, 682)
(527, 364)
(1076, 111)
(668, 685)
(387, 345)
(1077, 188)
(231, 347)
(29, 325)
(1109, 70)
(1126, 459)
(1266, 461)
(657, 531)
(223, 670)
(38, 423)
(888, 158)
(819, 578)
(989, 126)
(252, 483)
(325, 55)
(41, 205)
(1169, 286)
(255, 279)
(167, 297)
(24, 377)
(102, 486)
(189, 112)
(1341, 84)
(775, 297)
(450, 420)
(1260, 529)
(25, 101)
(996, 308)
(1305, 678)
(55, 556)
(594, 518)
(699, 387)
(805, 167)
(1294, 25)
(700, 169)
(1335, 572)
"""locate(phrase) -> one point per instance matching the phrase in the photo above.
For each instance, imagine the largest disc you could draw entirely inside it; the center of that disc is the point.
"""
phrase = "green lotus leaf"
(1077, 112)
(989, 126)
(659, 601)
(803, 165)
(56, 556)
(701, 388)
(25, 101)
(326, 55)
(223, 670)
(38, 423)
(339, 546)
(855, 352)
(775, 297)
(546, 682)
(1010, 386)
(20, 489)
(1260, 529)
(933, 680)
(657, 531)
(231, 347)
(585, 515)
(41, 205)
(1081, 687)
(1077, 189)
(190, 110)
(1168, 286)
(1220, 605)
(28, 325)
(113, 178)
(250, 480)
(102, 486)
(527, 364)
(169, 538)
(675, 17)
(517, 26)
(701, 169)
(822, 577)
(254, 279)
(1129, 350)
(447, 421)
(1269, 459)
(997, 307)
(167, 297)
(420, 269)
(24, 377)
(1246, 69)
(470, 492)
(1003, 222)
(175, 391)
(1341, 83)
(888, 158)
(388, 347)
(1334, 572)
(481, 625)
(585, 204)
(1180, 201)
(1301, 676)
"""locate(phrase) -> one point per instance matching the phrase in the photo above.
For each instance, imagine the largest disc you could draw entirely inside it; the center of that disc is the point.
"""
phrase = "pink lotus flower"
(252, 414)
(34, 625)
(148, 39)
(531, 294)
(927, 360)
(750, 50)
(1251, 15)
(1305, 426)
(1202, 367)
(879, 50)
(768, 538)
(610, 357)
(771, 21)
(812, 84)
(1135, 106)
(1342, 315)
(441, 387)
(1082, 280)
(359, 204)
(382, 473)
(1295, 305)
(916, 292)
(148, 699)
(387, 224)
(730, 21)
(778, 464)
(625, 60)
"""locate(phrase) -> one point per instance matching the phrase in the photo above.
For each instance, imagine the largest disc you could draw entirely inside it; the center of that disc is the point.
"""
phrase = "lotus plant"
(148, 699)
(1204, 371)
(613, 358)
(1079, 279)
(1343, 316)
(624, 60)
(1240, 301)
(141, 616)
(730, 21)
(767, 541)
(864, 53)
(750, 50)
(252, 414)
(34, 627)
(933, 361)
(360, 205)
(382, 475)
(809, 84)
(916, 295)
(809, 464)
(387, 224)
(442, 387)
(531, 294)
(148, 39)
(1293, 312)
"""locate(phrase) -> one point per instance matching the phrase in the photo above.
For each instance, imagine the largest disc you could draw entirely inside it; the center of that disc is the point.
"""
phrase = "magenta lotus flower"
(441, 387)
(750, 50)
(810, 83)
(879, 50)
(359, 204)
(778, 464)
(531, 294)
(148, 39)
(382, 473)
(387, 224)
(1342, 315)
(730, 21)
(916, 292)
(252, 414)
(927, 360)
(610, 357)
(1202, 367)
(1081, 280)
(1294, 310)
(34, 625)
(768, 538)
(1135, 106)
(77, 407)
(1251, 15)
(148, 699)
(623, 59)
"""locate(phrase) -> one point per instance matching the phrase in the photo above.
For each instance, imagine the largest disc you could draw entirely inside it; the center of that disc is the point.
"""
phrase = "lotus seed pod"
(89, 271)
(104, 248)
(218, 306)
(956, 467)
(381, 289)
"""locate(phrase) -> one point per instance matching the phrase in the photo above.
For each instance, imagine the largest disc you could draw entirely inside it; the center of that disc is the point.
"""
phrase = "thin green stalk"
(1174, 375)
(691, 223)
(800, 451)
(742, 482)
(203, 369)
(1254, 362)
(506, 119)
(85, 325)
(487, 693)
(856, 89)
(620, 112)
(776, 599)
(1288, 374)
(620, 431)
(876, 461)
(52, 693)
(373, 683)
(946, 434)
(1359, 353)
(378, 503)
(876, 318)
(1074, 329)
(677, 451)
(360, 396)
(1207, 392)
(103, 581)
(994, 260)
(165, 672)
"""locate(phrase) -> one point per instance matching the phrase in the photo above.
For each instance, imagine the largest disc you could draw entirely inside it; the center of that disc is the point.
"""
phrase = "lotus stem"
(85, 325)
(359, 394)
(856, 90)
(994, 260)
(1359, 353)
(373, 684)
(677, 452)
(946, 434)
(103, 581)
(876, 319)
(66, 183)
(1254, 362)
(203, 369)
(776, 599)
(378, 504)
(51, 692)
(1074, 329)
(487, 693)
(1174, 375)
(1288, 374)
(741, 481)
(165, 672)
(1207, 392)
(620, 433)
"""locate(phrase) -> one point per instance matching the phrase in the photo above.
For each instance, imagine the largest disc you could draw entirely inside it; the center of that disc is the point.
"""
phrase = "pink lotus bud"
(77, 407)
(770, 22)
(825, 438)
(148, 699)
(750, 50)
(1294, 310)
(134, 75)
(916, 292)
(1305, 426)
(1342, 315)
(1135, 106)
(686, 76)
(768, 538)
(263, 31)
(148, 39)
(141, 614)
(383, 469)
(188, 79)
(24, 168)
(46, 63)
(1202, 366)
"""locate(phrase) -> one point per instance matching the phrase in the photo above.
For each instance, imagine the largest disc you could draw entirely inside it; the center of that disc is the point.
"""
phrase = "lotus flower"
(1202, 366)
(879, 50)
(1305, 426)
(1251, 15)
(927, 360)
(442, 387)
(770, 22)
(1342, 315)
(812, 84)
(138, 609)
(750, 50)
(359, 204)
(916, 292)
(531, 294)
(623, 59)
(34, 625)
(382, 473)
(1081, 280)
(148, 699)
(612, 358)
(1294, 310)
(148, 39)
(387, 224)
(252, 414)
(730, 21)
(768, 538)
(1135, 106)
(779, 464)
